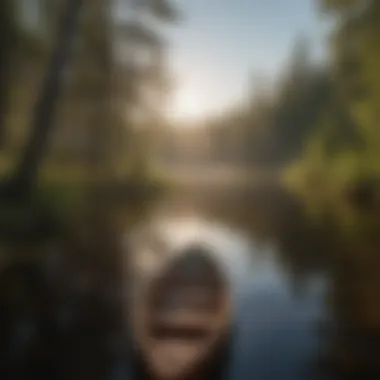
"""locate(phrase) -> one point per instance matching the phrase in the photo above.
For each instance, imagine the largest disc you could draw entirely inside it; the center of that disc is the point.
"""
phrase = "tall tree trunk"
(26, 172)
(6, 37)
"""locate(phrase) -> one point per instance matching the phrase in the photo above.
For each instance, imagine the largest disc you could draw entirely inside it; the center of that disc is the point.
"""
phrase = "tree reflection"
(350, 263)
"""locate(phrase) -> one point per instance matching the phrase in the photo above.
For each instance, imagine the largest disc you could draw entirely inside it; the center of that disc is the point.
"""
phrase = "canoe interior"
(184, 317)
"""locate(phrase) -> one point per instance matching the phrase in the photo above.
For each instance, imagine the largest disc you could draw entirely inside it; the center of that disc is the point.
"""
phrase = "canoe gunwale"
(217, 328)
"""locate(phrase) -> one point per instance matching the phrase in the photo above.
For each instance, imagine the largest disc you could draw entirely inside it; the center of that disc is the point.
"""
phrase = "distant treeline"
(320, 117)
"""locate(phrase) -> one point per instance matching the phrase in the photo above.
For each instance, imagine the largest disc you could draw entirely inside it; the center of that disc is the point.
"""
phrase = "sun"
(186, 104)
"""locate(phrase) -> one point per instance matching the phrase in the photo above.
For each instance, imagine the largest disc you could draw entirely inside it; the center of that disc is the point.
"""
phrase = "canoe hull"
(211, 368)
(182, 322)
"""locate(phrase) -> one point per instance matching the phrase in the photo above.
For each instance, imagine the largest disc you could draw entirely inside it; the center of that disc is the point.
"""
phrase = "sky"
(221, 46)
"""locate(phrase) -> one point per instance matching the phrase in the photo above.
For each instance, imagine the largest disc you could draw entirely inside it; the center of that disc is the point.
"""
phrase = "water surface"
(275, 321)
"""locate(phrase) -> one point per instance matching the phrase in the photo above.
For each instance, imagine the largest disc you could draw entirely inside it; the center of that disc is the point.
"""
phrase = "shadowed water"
(273, 326)
(305, 294)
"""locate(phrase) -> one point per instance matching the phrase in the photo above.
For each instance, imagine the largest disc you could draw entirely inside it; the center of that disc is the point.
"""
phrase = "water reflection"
(306, 295)
(274, 327)
(276, 336)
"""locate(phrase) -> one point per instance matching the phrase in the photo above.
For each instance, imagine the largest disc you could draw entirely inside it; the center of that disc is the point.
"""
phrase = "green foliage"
(342, 151)
(104, 88)
(272, 128)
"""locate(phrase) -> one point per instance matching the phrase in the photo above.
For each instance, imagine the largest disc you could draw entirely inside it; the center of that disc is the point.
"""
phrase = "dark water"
(307, 293)
(279, 301)
(308, 304)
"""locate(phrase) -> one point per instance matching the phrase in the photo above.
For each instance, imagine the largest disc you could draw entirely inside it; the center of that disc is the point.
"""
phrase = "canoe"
(183, 318)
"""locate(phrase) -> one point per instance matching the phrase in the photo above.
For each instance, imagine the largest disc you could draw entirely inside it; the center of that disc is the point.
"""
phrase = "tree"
(119, 74)
(26, 172)
(8, 25)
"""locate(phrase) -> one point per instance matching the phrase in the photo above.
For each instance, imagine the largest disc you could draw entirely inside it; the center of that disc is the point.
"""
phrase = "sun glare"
(186, 105)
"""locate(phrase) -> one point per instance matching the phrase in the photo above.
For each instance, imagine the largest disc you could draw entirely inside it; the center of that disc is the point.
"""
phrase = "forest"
(83, 139)
(318, 119)
(82, 88)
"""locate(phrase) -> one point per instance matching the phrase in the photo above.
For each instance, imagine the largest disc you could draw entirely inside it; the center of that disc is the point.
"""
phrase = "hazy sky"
(220, 44)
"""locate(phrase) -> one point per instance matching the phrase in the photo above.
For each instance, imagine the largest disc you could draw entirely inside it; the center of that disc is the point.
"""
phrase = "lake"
(276, 313)
(306, 290)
